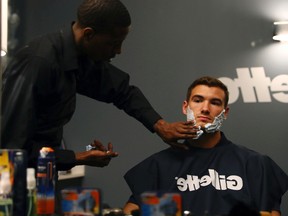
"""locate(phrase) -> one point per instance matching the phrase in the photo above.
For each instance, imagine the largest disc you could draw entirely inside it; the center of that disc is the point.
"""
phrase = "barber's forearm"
(129, 208)
(275, 213)
(145, 114)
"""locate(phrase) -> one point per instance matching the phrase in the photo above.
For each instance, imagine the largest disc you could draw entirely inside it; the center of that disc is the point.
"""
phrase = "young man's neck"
(206, 140)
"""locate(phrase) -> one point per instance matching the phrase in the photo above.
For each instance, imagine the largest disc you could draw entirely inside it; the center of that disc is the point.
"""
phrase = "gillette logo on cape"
(219, 182)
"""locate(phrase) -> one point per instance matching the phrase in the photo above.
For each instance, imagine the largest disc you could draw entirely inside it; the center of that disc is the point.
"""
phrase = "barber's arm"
(112, 86)
(129, 208)
(275, 213)
(97, 156)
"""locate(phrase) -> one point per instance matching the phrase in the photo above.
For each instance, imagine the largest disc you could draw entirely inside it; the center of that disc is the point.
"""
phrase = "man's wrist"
(158, 125)
(79, 158)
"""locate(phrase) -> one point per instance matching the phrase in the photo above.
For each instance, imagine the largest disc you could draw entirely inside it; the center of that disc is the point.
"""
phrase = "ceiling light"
(281, 31)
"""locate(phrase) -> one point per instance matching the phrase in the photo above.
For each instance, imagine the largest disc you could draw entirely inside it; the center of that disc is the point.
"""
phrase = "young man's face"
(104, 46)
(206, 103)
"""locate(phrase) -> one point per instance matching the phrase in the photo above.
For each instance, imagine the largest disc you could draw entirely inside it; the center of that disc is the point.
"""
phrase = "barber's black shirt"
(39, 94)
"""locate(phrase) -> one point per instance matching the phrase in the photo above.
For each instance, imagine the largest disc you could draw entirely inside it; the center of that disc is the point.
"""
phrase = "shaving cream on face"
(190, 117)
(190, 114)
(209, 127)
(216, 124)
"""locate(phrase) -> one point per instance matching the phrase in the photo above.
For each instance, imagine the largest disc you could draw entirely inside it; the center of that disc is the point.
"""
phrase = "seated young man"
(215, 174)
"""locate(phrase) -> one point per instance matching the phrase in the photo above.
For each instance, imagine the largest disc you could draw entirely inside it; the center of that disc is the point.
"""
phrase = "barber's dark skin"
(100, 156)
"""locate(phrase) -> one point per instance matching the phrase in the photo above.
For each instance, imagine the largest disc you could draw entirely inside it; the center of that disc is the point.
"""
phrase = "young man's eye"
(197, 100)
(217, 103)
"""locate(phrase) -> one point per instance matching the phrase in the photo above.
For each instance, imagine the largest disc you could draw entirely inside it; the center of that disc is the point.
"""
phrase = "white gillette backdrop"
(170, 44)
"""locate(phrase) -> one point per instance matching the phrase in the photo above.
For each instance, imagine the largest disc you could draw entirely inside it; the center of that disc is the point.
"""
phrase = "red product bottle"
(46, 171)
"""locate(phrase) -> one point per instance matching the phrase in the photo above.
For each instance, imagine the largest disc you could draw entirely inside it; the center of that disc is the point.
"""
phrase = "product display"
(81, 201)
(161, 204)
(46, 171)
(13, 164)
(31, 190)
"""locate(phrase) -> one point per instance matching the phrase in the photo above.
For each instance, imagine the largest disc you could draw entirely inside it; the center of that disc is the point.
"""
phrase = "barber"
(41, 81)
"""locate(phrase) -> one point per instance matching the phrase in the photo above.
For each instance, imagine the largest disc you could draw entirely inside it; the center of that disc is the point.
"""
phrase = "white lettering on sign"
(256, 87)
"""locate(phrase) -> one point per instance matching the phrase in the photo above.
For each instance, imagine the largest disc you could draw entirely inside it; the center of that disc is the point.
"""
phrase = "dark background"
(171, 43)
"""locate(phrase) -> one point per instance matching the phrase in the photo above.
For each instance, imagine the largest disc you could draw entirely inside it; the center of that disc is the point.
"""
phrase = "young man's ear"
(227, 109)
(184, 107)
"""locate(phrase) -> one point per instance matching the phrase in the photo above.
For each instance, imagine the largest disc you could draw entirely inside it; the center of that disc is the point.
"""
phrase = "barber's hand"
(173, 133)
(99, 156)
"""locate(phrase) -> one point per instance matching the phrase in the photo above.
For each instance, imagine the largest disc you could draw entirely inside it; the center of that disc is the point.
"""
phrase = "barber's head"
(102, 26)
(103, 16)
(207, 97)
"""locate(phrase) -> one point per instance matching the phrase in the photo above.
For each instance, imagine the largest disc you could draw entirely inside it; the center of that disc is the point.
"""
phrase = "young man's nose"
(205, 107)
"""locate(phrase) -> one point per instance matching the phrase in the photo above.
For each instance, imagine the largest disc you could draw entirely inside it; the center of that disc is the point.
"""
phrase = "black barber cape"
(211, 180)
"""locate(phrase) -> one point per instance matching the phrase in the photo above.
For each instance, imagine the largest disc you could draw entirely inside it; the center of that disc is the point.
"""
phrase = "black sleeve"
(18, 104)
(65, 159)
(21, 85)
(132, 199)
(106, 83)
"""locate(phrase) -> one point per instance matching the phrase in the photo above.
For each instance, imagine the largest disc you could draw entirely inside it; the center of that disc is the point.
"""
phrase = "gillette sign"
(256, 87)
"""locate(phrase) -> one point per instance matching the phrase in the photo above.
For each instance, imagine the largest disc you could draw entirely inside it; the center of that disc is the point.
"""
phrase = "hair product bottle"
(46, 171)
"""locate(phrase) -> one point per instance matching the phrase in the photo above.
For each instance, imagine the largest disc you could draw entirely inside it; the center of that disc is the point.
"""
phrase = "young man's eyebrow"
(198, 96)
